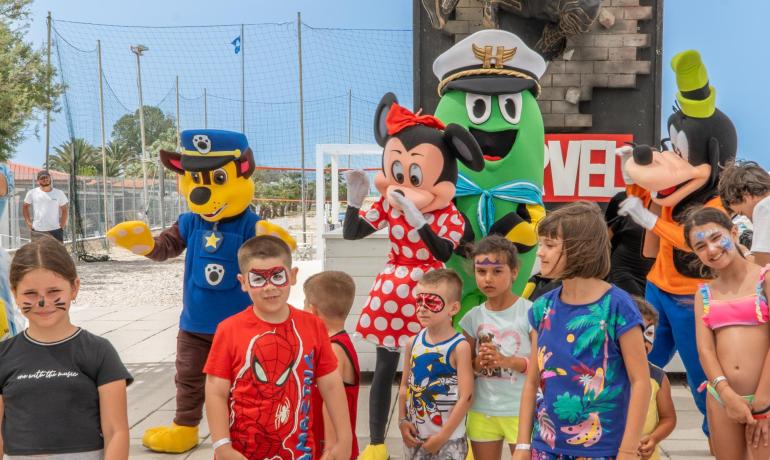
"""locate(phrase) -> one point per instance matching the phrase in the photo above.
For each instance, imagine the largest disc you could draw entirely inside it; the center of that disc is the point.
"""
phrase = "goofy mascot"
(681, 175)
(215, 170)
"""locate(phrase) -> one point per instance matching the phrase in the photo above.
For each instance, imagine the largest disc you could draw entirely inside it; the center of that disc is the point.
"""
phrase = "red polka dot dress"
(389, 318)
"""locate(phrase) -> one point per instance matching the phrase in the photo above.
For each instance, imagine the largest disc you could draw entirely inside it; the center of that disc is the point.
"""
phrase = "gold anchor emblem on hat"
(501, 55)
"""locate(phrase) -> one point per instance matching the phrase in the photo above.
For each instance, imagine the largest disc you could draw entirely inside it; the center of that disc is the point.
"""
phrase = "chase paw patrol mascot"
(488, 83)
(683, 174)
(215, 168)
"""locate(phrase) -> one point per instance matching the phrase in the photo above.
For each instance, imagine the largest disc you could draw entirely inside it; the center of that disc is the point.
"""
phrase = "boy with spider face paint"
(264, 363)
(437, 383)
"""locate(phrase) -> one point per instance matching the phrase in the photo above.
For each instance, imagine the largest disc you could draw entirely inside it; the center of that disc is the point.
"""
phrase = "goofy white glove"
(413, 215)
(625, 153)
(358, 186)
(634, 208)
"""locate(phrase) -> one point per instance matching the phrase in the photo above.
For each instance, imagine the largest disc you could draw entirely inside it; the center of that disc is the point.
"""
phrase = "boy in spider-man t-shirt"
(263, 365)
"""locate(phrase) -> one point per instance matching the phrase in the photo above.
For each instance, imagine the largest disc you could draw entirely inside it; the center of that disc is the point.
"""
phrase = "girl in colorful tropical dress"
(588, 386)
(731, 328)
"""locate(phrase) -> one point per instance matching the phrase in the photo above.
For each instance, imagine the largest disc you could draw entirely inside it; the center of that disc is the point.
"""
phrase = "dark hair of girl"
(44, 252)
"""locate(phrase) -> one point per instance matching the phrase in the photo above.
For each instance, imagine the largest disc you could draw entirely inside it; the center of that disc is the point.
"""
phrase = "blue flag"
(237, 44)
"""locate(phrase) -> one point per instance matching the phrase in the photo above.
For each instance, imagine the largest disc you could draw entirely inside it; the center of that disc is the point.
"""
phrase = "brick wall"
(607, 56)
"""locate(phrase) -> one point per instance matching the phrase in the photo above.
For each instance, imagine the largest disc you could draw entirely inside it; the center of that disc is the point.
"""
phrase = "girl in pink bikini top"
(733, 360)
(751, 310)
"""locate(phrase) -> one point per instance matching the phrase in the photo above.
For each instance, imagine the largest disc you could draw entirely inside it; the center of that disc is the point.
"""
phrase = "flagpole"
(243, 83)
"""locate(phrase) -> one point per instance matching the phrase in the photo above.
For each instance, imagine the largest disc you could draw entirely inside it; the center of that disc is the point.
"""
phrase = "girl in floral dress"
(588, 386)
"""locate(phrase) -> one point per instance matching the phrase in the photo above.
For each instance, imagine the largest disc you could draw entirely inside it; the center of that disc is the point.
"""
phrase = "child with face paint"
(62, 389)
(661, 415)
(588, 383)
(731, 326)
(437, 382)
(498, 333)
(264, 364)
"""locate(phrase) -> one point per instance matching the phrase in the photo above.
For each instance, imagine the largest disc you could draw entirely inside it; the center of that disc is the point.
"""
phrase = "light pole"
(139, 50)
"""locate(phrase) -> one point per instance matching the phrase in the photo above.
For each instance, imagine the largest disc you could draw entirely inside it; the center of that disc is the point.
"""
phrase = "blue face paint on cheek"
(726, 243)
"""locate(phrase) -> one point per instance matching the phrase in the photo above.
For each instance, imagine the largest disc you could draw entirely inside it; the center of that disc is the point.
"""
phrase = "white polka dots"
(365, 320)
(413, 236)
(455, 236)
(403, 340)
(422, 254)
(429, 217)
(395, 213)
(397, 231)
(407, 251)
(385, 205)
(375, 303)
(390, 306)
(403, 291)
(382, 224)
(401, 272)
(389, 341)
(417, 273)
(395, 247)
(377, 284)
(372, 215)
(396, 324)
(412, 326)
(442, 231)
(389, 269)
(442, 220)
(407, 310)
(387, 287)
(372, 338)
(381, 323)
(414, 291)
(456, 219)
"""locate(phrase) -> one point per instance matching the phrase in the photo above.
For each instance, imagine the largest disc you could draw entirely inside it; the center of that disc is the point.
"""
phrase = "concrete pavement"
(139, 315)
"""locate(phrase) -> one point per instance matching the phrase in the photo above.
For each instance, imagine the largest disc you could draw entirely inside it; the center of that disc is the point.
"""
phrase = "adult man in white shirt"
(49, 208)
(745, 189)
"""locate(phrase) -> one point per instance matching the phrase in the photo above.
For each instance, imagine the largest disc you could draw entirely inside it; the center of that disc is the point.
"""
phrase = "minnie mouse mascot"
(417, 184)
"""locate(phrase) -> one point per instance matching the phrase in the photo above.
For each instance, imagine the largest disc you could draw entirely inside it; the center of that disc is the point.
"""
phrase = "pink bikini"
(745, 311)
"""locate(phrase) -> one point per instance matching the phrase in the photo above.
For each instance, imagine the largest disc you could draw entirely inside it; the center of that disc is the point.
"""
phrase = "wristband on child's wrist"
(403, 420)
(523, 446)
(220, 443)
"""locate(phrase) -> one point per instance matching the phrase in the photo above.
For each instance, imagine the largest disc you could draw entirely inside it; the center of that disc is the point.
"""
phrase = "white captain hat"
(490, 61)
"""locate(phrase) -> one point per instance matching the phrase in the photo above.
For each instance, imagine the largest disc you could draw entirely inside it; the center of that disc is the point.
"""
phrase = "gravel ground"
(130, 280)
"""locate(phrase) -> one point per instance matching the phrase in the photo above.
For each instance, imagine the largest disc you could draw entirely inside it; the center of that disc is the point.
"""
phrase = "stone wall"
(614, 54)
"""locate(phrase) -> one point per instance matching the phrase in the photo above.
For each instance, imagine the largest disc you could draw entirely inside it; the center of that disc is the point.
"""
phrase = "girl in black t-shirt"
(62, 389)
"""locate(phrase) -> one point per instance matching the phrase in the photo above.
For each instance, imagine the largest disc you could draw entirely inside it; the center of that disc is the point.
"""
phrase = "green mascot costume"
(488, 84)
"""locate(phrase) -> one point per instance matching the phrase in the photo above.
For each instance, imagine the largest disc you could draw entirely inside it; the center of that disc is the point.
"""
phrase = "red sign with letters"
(582, 166)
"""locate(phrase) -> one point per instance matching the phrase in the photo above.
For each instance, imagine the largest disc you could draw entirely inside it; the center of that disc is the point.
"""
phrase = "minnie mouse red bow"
(400, 118)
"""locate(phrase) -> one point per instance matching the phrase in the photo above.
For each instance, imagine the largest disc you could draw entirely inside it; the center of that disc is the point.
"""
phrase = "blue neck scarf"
(515, 191)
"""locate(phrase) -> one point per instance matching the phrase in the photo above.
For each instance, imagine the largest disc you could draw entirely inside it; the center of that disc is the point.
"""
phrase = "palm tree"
(119, 156)
(595, 326)
(85, 154)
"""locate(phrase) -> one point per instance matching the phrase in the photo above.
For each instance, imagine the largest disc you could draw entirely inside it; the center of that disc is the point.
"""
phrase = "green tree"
(157, 125)
(24, 76)
(119, 157)
(85, 154)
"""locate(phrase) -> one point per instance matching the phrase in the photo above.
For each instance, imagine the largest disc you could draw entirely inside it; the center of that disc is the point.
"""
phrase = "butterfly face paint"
(431, 302)
(277, 276)
(726, 243)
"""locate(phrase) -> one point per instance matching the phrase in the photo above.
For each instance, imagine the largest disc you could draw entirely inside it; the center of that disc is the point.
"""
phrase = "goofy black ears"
(380, 116)
(464, 146)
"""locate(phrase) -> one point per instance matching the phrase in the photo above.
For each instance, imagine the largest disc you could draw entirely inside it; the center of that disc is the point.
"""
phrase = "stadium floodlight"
(139, 50)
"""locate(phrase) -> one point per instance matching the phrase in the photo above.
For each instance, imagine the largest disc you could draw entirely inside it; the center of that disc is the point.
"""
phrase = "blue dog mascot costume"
(215, 170)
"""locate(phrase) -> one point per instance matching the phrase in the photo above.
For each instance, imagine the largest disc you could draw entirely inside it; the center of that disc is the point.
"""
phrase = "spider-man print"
(272, 369)
(268, 392)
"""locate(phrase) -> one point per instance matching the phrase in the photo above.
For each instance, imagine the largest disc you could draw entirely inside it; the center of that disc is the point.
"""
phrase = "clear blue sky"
(730, 40)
